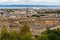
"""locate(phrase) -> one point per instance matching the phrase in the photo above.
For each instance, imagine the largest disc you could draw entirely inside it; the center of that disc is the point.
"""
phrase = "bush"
(24, 34)
(49, 35)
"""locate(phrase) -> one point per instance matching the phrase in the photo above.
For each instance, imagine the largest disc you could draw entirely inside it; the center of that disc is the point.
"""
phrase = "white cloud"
(30, 2)
(2, 1)
(45, 1)
(12, 1)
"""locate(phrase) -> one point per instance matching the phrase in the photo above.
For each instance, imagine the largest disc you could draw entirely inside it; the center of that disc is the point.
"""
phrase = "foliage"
(24, 34)
(49, 35)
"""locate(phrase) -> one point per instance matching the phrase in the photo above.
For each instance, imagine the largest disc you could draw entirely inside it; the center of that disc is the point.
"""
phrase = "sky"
(30, 2)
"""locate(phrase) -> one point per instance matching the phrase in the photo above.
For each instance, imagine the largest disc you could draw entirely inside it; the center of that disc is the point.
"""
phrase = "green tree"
(25, 32)
(42, 37)
(24, 29)
(5, 35)
(52, 36)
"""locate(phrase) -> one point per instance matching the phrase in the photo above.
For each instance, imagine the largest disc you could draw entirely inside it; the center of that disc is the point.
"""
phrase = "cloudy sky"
(39, 2)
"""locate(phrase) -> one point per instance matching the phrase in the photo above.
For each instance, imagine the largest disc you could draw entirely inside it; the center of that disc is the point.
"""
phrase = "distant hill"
(29, 6)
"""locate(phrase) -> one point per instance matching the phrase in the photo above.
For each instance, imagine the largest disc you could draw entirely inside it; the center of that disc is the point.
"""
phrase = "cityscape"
(38, 19)
(29, 19)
